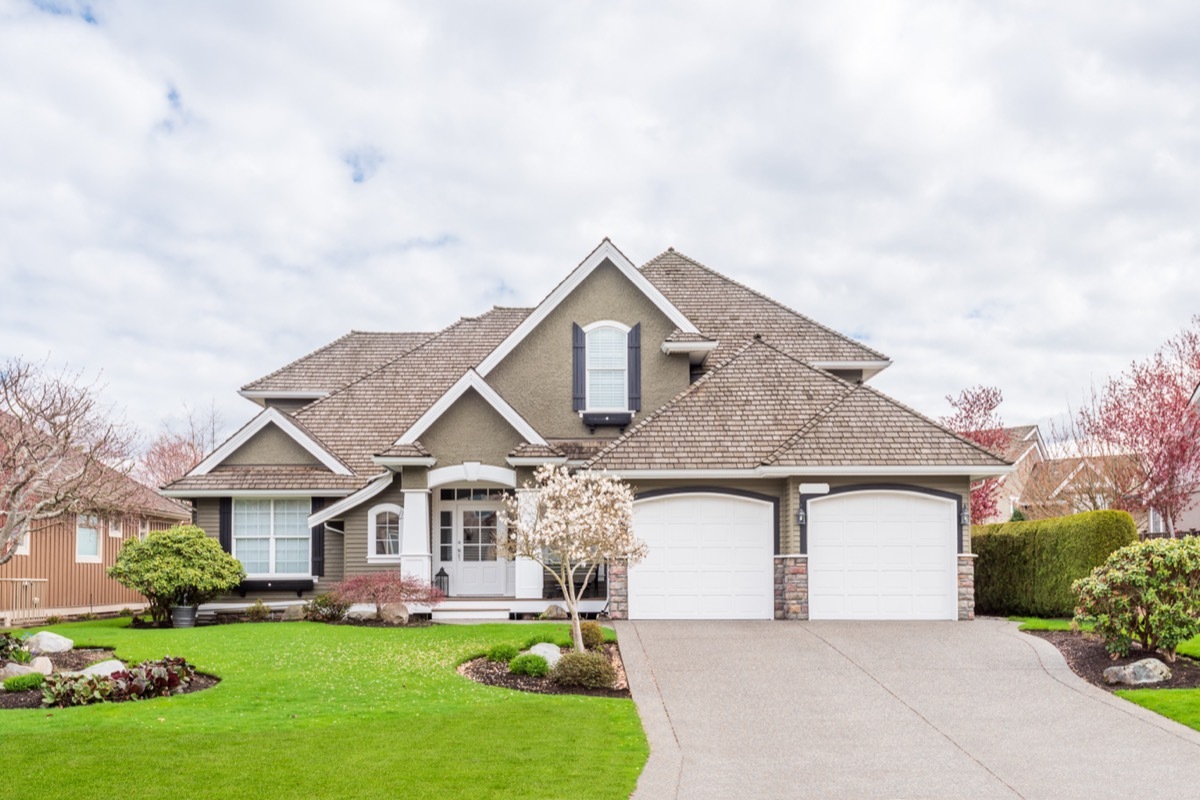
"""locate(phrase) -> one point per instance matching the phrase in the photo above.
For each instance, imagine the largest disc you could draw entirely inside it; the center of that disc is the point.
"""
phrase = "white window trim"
(372, 515)
(23, 545)
(250, 576)
(587, 378)
(116, 528)
(96, 526)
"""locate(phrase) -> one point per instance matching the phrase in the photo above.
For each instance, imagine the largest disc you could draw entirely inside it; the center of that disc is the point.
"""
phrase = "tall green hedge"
(1027, 568)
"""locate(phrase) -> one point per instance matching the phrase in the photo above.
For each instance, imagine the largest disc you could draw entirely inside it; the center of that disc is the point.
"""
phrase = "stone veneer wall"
(966, 586)
(791, 587)
(618, 590)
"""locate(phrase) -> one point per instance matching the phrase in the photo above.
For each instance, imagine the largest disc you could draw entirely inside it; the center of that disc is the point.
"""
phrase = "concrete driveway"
(888, 710)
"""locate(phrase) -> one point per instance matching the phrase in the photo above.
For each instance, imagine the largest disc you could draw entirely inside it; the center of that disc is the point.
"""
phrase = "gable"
(536, 377)
(271, 446)
(471, 430)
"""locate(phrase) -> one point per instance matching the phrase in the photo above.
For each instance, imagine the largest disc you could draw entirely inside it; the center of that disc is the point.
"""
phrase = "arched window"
(383, 533)
(607, 363)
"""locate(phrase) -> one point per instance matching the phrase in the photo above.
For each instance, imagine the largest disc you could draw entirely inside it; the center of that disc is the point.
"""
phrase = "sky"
(194, 194)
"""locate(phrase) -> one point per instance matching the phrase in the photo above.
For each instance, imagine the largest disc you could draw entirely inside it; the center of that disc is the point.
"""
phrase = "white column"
(415, 555)
(528, 571)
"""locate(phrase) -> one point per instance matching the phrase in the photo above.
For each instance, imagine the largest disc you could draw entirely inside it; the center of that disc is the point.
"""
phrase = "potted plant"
(177, 570)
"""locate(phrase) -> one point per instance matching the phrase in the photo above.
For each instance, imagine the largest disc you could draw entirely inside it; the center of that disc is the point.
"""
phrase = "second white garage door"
(882, 555)
(711, 556)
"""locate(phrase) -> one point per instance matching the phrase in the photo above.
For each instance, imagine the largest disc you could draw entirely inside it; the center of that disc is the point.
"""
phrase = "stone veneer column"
(791, 587)
(618, 590)
(966, 586)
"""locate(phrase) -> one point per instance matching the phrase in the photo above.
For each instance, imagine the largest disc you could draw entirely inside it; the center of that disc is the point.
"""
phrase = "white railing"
(21, 600)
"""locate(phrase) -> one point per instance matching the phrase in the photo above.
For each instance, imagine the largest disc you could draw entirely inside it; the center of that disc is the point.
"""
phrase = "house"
(1189, 520)
(1026, 449)
(60, 567)
(771, 480)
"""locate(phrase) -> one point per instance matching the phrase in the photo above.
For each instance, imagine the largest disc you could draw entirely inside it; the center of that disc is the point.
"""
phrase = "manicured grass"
(306, 710)
(1181, 705)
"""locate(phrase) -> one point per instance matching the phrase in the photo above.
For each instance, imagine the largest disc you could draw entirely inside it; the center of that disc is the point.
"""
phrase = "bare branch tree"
(175, 450)
(60, 451)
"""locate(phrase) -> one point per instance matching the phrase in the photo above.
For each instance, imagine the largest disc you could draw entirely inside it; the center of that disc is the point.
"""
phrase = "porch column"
(415, 555)
(528, 571)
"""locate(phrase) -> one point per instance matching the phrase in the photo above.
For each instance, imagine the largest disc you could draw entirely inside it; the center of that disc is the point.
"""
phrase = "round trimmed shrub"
(589, 670)
(503, 653)
(529, 664)
(326, 607)
(593, 635)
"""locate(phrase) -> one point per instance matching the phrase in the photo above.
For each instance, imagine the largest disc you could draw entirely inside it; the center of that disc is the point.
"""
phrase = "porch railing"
(1165, 535)
(21, 600)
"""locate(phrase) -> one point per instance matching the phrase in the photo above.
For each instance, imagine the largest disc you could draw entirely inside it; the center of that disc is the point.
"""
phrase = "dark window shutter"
(225, 524)
(635, 368)
(318, 541)
(579, 368)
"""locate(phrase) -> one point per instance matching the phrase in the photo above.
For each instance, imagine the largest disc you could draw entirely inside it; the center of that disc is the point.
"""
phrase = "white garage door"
(882, 555)
(711, 557)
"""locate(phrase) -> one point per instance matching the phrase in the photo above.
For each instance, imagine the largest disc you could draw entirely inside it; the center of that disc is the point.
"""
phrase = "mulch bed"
(1087, 658)
(75, 660)
(494, 673)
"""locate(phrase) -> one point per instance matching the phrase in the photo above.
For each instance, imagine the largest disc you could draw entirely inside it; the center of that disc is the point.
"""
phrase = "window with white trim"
(272, 537)
(114, 527)
(23, 544)
(384, 523)
(87, 539)
(607, 366)
(1157, 524)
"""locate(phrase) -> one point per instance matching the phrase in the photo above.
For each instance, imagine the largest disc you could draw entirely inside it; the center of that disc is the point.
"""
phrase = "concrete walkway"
(887, 710)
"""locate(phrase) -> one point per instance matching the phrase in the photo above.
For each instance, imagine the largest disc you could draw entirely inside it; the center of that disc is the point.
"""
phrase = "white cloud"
(988, 194)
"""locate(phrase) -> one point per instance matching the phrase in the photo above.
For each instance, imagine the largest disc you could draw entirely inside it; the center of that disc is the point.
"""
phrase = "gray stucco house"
(772, 480)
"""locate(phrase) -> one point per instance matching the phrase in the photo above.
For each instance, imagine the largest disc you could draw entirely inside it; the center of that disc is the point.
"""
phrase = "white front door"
(477, 569)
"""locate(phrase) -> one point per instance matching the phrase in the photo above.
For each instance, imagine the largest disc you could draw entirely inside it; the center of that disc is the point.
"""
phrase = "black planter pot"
(183, 616)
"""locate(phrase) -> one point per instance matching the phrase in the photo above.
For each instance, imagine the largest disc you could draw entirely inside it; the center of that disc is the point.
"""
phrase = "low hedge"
(1027, 568)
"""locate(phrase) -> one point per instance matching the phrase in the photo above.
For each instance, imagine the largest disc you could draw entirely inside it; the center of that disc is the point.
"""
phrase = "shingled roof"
(763, 407)
(731, 313)
(267, 477)
(339, 363)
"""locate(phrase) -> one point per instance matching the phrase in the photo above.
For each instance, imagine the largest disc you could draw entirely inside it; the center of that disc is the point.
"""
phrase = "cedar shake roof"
(527, 450)
(414, 450)
(765, 407)
(731, 313)
(339, 362)
(268, 477)
(580, 449)
(1020, 439)
(145, 500)
(368, 415)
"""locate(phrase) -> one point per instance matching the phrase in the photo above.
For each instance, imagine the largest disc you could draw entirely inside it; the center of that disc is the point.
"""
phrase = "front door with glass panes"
(468, 525)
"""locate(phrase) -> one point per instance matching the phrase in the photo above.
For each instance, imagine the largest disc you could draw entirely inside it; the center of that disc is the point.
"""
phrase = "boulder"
(293, 613)
(12, 669)
(361, 616)
(42, 664)
(555, 611)
(101, 669)
(48, 642)
(551, 652)
(395, 614)
(1148, 670)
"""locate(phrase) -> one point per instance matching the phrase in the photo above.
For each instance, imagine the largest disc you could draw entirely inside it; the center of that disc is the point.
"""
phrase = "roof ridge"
(653, 415)
(757, 293)
(296, 361)
(811, 423)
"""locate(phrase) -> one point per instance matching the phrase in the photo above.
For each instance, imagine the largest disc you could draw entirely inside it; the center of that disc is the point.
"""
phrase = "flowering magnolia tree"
(975, 418)
(571, 524)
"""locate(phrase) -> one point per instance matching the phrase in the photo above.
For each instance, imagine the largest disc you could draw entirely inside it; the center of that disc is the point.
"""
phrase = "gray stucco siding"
(471, 430)
(271, 446)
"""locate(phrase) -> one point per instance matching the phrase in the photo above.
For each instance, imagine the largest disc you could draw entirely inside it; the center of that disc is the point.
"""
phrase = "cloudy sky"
(193, 194)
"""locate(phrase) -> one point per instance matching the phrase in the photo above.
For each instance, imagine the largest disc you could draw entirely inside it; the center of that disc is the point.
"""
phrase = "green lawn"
(306, 710)
(1181, 705)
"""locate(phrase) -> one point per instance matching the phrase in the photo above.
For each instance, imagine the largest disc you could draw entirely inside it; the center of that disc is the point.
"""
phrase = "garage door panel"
(710, 557)
(882, 555)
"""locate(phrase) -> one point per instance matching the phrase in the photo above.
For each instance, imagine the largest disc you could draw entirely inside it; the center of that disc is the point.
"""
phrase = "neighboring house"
(60, 567)
(771, 481)
(1025, 450)
(1189, 520)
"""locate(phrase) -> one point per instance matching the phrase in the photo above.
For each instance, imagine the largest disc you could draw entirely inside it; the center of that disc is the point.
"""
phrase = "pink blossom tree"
(975, 418)
(571, 524)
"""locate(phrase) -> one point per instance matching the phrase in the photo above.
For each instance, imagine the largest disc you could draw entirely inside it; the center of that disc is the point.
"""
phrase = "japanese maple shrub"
(389, 586)
(181, 566)
(1148, 593)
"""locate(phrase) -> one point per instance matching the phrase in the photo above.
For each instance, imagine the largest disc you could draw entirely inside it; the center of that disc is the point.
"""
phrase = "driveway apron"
(886, 710)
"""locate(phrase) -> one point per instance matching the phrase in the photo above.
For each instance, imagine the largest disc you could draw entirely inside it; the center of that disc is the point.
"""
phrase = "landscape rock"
(1148, 670)
(42, 664)
(555, 611)
(395, 614)
(293, 613)
(12, 669)
(101, 669)
(550, 652)
(48, 642)
(361, 616)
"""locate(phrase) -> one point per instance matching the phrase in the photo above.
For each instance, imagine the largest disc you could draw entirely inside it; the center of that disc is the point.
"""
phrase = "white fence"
(21, 600)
